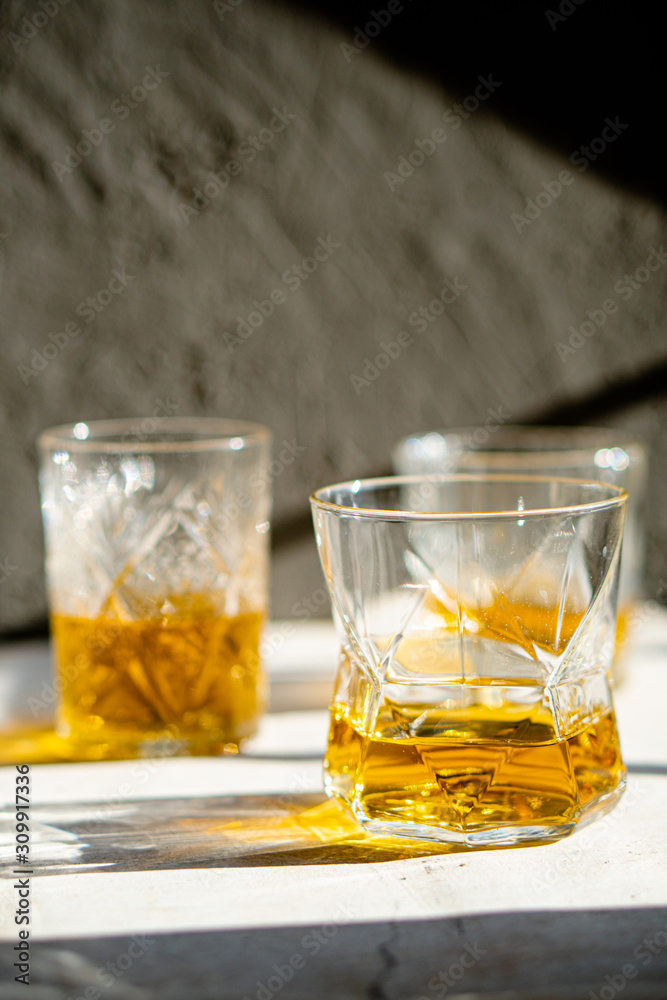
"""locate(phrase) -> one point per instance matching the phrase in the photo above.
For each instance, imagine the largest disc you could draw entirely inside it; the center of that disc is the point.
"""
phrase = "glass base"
(493, 836)
(115, 745)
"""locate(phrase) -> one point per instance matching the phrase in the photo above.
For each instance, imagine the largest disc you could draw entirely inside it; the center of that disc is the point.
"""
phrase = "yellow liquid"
(494, 768)
(454, 748)
(190, 677)
(522, 624)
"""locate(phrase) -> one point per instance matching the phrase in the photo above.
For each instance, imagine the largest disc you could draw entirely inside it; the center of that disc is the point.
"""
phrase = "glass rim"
(578, 442)
(170, 434)
(616, 497)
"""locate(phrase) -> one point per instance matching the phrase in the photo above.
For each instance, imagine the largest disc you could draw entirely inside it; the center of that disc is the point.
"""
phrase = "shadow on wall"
(328, 224)
(569, 953)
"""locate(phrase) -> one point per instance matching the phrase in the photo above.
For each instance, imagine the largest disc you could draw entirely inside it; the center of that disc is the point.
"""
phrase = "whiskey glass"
(600, 453)
(476, 616)
(157, 569)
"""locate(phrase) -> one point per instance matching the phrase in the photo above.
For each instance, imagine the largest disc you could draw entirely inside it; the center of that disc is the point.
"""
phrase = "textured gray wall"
(171, 93)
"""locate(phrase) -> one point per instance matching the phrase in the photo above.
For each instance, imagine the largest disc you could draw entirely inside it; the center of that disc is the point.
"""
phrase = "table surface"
(204, 878)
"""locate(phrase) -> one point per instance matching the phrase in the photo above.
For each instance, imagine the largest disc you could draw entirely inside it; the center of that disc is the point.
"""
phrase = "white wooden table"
(195, 879)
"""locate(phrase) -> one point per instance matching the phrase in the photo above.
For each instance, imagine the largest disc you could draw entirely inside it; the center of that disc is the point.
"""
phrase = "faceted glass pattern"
(598, 453)
(157, 566)
(477, 623)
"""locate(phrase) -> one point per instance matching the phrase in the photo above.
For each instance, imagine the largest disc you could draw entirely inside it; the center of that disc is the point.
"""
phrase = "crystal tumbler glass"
(157, 570)
(477, 617)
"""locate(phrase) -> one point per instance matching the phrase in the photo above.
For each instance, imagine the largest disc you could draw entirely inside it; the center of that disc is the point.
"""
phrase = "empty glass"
(476, 617)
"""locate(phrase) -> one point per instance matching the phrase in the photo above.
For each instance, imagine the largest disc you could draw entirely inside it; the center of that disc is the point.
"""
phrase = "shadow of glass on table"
(125, 832)
(205, 831)
(227, 831)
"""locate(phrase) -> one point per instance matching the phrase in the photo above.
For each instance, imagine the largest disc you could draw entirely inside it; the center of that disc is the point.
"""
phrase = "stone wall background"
(221, 75)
